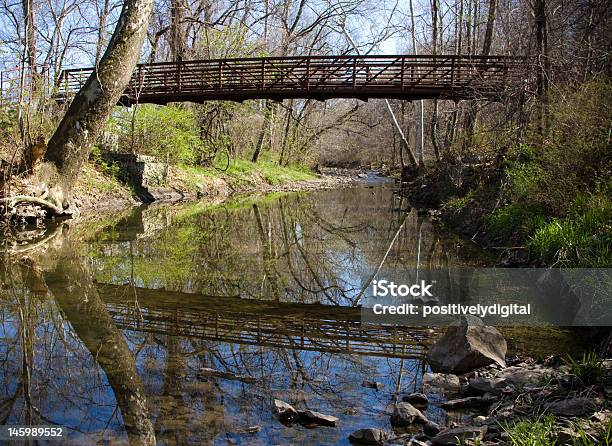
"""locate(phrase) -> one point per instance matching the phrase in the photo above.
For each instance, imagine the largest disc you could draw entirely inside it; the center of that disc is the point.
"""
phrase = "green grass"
(246, 173)
(539, 432)
(543, 432)
(520, 218)
(589, 370)
(456, 204)
(582, 239)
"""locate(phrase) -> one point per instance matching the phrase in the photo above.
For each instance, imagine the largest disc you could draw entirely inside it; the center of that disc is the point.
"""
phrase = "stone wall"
(142, 170)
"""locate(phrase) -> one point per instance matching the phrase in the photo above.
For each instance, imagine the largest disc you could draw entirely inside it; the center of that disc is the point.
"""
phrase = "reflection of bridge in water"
(311, 327)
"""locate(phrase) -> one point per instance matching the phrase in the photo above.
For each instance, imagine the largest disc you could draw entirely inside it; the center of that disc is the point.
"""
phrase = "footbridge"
(311, 327)
(407, 77)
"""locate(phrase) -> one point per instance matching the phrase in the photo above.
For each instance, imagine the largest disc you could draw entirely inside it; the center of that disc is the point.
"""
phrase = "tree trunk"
(102, 18)
(421, 105)
(29, 14)
(539, 11)
(488, 38)
(178, 35)
(264, 128)
(76, 295)
(434, 50)
(78, 130)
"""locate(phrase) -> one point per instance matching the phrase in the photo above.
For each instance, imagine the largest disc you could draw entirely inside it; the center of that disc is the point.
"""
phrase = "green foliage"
(243, 172)
(539, 432)
(169, 132)
(111, 170)
(583, 438)
(456, 204)
(515, 218)
(543, 432)
(582, 239)
(589, 370)
(558, 188)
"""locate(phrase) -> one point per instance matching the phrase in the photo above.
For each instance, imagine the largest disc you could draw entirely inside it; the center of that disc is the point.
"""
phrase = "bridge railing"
(325, 74)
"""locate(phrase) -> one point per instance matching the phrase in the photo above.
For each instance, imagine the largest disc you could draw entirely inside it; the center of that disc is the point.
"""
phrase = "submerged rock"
(467, 346)
(370, 436)
(373, 384)
(453, 436)
(406, 414)
(284, 411)
(416, 399)
(318, 418)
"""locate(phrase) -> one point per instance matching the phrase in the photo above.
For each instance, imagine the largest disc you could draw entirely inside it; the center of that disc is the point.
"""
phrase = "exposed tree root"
(14, 200)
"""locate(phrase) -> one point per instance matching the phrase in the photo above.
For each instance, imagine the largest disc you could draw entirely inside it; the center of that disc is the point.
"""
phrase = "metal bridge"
(408, 77)
(311, 327)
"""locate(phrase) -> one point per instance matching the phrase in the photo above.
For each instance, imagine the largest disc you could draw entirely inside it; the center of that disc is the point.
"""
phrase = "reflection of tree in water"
(65, 362)
(155, 388)
(296, 248)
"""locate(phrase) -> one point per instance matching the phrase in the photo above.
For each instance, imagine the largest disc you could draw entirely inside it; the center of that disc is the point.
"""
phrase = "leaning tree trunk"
(71, 143)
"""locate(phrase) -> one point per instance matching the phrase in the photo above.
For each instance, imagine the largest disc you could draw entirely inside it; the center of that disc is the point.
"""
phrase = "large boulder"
(467, 346)
(406, 414)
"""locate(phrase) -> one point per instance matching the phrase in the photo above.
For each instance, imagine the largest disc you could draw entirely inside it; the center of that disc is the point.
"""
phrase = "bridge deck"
(317, 77)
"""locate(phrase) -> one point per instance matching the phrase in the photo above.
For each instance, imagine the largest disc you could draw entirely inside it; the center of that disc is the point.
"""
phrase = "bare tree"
(78, 130)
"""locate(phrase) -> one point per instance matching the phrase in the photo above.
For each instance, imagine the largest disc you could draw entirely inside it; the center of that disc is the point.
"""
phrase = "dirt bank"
(96, 191)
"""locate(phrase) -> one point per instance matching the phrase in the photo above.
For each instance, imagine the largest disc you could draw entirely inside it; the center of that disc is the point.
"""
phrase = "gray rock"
(373, 384)
(443, 381)
(318, 418)
(406, 414)
(284, 411)
(469, 402)
(455, 435)
(370, 436)
(522, 376)
(416, 399)
(573, 407)
(486, 385)
(467, 346)
(431, 429)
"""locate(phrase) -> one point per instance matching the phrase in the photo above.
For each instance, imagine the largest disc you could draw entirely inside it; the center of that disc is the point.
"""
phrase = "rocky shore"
(490, 399)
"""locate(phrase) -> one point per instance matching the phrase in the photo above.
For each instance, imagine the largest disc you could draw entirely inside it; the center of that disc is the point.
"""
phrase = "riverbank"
(101, 187)
(543, 197)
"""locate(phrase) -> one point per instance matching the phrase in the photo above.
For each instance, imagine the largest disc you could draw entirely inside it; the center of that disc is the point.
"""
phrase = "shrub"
(582, 239)
(589, 370)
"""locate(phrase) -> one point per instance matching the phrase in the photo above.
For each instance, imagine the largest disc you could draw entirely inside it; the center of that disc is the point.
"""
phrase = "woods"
(565, 46)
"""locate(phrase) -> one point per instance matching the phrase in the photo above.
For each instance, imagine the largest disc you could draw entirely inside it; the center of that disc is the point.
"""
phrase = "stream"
(186, 321)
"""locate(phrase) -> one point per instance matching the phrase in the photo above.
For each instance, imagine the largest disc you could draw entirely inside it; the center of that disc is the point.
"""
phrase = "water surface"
(116, 327)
